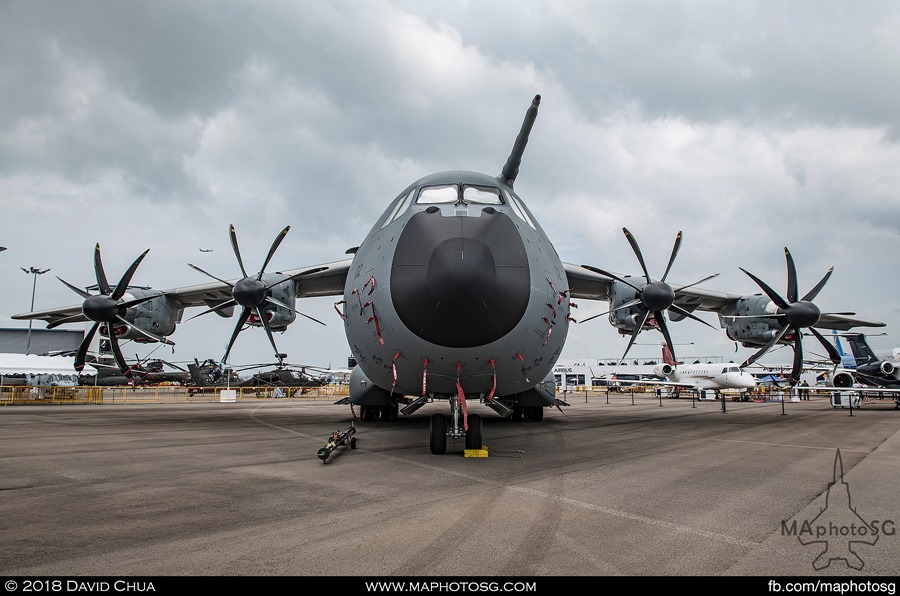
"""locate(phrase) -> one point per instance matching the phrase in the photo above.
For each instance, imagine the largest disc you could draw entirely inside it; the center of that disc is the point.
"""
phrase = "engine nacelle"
(663, 370)
(889, 367)
(842, 379)
(157, 316)
(626, 319)
(279, 317)
(749, 330)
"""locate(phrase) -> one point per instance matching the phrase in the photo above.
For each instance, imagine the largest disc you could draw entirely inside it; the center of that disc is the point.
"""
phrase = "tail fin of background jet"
(667, 357)
(847, 360)
(862, 353)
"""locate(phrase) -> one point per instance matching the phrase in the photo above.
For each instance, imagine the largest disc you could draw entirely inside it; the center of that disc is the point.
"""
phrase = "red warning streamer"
(494, 388)
(424, 375)
(462, 398)
(524, 374)
(343, 316)
(394, 370)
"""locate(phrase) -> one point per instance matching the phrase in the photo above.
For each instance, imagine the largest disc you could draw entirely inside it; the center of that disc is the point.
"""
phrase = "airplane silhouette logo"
(838, 526)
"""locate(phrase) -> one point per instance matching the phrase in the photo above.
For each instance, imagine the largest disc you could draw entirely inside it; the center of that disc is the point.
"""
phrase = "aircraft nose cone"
(462, 271)
(460, 281)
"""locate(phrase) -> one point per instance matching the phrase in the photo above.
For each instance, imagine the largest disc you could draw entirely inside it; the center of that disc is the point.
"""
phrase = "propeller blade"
(227, 283)
(225, 304)
(637, 252)
(634, 334)
(245, 314)
(295, 276)
(707, 278)
(161, 340)
(689, 315)
(832, 351)
(798, 360)
(136, 301)
(769, 316)
(608, 274)
(265, 322)
(122, 286)
(64, 320)
(271, 300)
(275, 244)
(117, 353)
(75, 289)
(791, 276)
(661, 322)
(626, 305)
(672, 258)
(83, 348)
(764, 349)
(772, 294)
(237, 251)
(98, 268)
(811, 295)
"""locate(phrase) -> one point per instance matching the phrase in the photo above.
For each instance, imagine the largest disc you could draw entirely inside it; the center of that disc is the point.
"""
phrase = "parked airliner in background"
(699, 377)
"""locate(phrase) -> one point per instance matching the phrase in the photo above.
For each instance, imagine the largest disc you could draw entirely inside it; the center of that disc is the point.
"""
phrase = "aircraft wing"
(72, 314)
(589, 285)
(586, 284)
(326, 279)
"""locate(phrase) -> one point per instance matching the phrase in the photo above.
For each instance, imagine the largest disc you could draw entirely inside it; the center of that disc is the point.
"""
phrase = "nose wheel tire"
(473, 435)
(438, 434)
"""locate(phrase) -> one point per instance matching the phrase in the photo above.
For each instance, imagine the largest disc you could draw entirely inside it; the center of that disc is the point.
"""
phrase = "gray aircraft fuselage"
(456, 288)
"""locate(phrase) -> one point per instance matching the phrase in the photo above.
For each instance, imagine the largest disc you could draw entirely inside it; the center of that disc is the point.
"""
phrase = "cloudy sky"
(749, 126)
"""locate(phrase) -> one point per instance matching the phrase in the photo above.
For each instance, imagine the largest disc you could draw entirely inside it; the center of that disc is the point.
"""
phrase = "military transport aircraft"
(456, 294)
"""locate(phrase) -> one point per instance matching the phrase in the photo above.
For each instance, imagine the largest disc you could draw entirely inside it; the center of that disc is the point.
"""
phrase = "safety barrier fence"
(22, 394)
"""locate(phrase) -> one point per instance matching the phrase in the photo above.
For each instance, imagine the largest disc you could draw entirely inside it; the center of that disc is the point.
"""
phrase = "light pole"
(35, 272)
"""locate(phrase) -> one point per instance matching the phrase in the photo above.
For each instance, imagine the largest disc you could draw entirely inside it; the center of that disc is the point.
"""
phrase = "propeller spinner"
(107, 308)
(253, 294)
(654, 297)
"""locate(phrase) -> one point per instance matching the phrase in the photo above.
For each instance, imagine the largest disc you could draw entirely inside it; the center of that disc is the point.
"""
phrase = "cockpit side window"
(438, 195)
(517, 208)
(400, 208)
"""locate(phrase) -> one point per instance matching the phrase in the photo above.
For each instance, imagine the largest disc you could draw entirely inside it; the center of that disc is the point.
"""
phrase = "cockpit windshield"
(437, 195)
(480, 195)
(450, 193)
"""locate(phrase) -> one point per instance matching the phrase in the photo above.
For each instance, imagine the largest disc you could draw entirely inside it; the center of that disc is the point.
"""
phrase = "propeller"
(107, 307)
(252, 293)
(654, 297)
(794, 315)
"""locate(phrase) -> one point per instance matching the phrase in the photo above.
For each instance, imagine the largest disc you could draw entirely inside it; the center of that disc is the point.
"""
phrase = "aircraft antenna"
(511, 169)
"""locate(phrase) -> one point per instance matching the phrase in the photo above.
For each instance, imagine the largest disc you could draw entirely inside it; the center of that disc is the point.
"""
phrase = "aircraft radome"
(457, 294)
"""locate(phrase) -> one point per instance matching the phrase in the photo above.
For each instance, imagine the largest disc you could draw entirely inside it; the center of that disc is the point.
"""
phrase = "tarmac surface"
(670, 487)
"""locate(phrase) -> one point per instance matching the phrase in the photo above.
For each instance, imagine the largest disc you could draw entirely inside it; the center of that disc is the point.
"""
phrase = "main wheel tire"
(473, 435)
(537, 413)
(438, 434)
